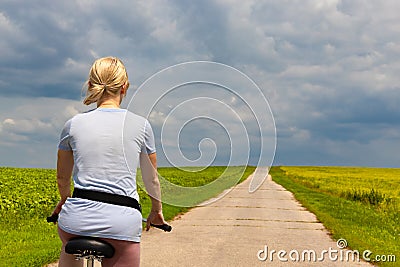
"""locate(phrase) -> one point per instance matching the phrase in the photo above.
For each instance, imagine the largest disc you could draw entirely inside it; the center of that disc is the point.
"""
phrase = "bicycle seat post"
(90, 262)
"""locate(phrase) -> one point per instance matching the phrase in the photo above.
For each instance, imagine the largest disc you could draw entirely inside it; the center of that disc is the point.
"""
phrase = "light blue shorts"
(91, 218)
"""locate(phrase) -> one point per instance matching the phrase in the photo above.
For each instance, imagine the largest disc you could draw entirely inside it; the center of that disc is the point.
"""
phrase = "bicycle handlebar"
(53, 218)
(165, 227)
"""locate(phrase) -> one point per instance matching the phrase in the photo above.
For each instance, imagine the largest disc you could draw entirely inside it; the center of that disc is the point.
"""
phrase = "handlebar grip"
(53, 218)
(165, 227)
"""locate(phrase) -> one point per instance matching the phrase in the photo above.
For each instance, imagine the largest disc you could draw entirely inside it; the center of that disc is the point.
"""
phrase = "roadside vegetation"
(28, 196)
(361, 205)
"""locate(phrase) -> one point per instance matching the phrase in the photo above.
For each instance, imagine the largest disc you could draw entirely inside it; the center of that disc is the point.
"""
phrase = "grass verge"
(364, 226)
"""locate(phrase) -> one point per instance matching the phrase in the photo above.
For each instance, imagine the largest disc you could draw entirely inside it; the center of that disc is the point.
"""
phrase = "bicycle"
(93, 248)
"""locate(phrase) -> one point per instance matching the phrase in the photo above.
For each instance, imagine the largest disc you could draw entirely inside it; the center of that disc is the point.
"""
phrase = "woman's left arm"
(65, 164)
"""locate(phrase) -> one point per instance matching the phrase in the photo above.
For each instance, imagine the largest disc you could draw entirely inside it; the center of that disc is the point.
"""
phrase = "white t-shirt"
(106, 145)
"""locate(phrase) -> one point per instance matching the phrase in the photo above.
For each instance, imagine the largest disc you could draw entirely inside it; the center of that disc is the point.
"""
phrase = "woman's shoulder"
(77, 116)
(135, 117)
(83, 113)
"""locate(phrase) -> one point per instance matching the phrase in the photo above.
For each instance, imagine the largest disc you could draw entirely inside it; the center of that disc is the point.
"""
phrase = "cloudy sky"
(330, 70)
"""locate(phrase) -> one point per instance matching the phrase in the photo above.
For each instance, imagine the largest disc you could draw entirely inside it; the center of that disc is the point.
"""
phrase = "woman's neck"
(109, 102)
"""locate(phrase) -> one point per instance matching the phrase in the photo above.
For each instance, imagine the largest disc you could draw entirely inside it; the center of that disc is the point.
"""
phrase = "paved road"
(233, 230)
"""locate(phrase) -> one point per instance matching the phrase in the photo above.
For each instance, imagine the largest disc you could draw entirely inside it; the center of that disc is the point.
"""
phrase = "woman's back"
(106, 144)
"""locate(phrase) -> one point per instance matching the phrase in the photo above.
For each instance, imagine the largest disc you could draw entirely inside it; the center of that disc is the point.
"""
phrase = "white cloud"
(36, 118)
(9, 122)
(25, 126)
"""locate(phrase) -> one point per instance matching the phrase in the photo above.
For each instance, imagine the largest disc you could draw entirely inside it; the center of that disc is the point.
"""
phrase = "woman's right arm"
(65, 164)
(148, 166)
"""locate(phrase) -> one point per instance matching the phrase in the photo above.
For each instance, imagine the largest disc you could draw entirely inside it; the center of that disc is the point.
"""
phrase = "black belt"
(107, 198)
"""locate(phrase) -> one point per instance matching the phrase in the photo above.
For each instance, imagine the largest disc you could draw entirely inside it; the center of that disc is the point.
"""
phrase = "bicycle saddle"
(84, 246)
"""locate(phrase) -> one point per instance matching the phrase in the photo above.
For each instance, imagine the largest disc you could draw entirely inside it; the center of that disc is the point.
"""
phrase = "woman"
(103, 149)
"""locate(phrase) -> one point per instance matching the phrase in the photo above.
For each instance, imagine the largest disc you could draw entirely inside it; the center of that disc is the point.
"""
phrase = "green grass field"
(189, 187)
(361, 205)
(28, 196)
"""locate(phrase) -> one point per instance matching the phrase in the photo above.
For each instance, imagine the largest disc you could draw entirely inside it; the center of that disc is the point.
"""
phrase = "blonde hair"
(106, 77)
